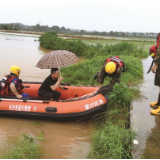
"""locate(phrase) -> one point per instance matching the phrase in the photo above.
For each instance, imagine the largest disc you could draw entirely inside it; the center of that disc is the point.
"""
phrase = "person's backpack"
(153, 49)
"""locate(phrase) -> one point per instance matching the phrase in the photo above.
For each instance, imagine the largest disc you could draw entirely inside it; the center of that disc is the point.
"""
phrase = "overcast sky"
(99, 15)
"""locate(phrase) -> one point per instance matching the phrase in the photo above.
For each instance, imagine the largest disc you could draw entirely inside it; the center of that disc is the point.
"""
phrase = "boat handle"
(23, 100)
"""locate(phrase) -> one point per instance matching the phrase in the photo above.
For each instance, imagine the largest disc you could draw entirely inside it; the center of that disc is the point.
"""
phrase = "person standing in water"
(156, 69)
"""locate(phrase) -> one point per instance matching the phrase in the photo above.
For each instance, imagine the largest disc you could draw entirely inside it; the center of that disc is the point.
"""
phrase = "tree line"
(57, 29)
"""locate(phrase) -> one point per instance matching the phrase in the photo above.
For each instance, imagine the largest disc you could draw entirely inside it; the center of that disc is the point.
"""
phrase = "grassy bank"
(23, 147)
(112, 137)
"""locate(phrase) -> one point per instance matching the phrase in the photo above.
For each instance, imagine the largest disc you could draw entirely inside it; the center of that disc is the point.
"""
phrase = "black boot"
(158, 102)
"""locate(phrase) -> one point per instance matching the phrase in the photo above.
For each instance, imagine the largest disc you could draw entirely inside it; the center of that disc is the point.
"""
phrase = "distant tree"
(1, 26)
(104, 33)
(55, 28)
(10, 27)
(5, 27)
(116, 34)
(63, 29)
(111, 33)
(37, 27)
(82, 31)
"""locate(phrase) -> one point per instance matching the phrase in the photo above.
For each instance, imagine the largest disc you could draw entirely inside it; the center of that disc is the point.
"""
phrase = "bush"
(120, 95)
(51, 41)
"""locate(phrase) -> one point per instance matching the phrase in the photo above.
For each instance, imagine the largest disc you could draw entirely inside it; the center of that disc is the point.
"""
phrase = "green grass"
(111, 142)
(146, 44)
(113, 136)
(24, 147)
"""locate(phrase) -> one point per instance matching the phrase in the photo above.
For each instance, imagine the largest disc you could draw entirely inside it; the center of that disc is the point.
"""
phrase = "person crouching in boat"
(12, 85)
(112, 67)
(50, 84)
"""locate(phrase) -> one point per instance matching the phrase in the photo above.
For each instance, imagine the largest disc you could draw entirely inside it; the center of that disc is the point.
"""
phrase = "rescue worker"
(13, 85)
(112, 67)
(156, 69)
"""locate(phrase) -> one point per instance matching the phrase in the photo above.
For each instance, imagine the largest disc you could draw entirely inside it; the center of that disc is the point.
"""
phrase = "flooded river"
(146, 126)
(62, 140)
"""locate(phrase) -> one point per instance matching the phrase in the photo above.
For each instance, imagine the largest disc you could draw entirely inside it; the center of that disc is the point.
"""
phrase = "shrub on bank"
(51, 41)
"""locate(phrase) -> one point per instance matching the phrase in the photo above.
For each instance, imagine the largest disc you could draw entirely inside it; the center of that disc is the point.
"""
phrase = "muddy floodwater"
(62, 139)
(146, 125)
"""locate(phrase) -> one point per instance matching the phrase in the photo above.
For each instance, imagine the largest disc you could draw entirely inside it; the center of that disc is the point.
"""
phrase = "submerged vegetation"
(113, 137)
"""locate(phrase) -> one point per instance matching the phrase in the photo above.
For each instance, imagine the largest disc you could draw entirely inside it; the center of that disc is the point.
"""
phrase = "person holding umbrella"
(54, 60)
(50, 84)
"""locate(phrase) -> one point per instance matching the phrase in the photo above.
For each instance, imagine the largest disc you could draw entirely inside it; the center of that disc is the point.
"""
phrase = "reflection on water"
(153, 142)
(63, 140)
(143, 123)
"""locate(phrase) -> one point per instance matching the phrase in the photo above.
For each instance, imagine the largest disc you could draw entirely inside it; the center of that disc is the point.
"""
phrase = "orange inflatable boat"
(75, 103)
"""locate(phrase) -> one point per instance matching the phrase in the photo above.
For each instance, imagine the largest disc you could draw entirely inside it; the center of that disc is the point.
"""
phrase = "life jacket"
(5, 90)
(119, 63)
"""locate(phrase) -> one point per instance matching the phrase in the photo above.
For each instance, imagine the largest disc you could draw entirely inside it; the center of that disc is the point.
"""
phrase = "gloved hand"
(105, 89)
